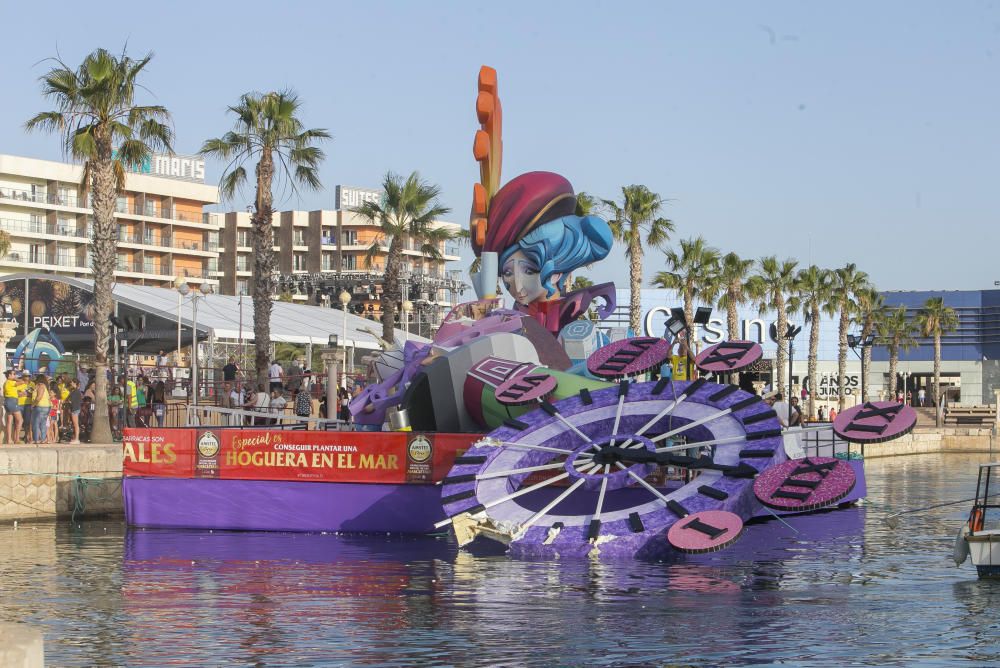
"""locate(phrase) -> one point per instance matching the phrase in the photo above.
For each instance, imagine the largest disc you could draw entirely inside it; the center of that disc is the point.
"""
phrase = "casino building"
(163, 231)
(970, 355)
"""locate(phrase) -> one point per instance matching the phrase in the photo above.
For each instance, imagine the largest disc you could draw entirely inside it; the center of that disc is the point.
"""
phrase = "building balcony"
(33, 228)
(45, 259)
(41, 198)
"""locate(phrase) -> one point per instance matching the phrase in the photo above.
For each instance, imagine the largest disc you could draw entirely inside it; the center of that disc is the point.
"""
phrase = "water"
(847, 589)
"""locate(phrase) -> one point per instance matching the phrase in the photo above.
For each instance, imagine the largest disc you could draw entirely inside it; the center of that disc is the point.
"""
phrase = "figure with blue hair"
(540, 241)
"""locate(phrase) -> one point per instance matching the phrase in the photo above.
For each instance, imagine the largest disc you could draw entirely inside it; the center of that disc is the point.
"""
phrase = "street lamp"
(791, 332)
(856, 342)
(183, 289)
(345, 299)
(407, 307)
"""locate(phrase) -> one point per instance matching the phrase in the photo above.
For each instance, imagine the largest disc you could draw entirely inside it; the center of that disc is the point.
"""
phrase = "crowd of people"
(40, 410)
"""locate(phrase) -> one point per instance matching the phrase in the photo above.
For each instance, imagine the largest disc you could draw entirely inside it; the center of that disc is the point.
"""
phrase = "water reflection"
(831, 588)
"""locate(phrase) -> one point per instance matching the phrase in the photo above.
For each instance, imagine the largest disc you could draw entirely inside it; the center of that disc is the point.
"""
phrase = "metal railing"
(40, 227)
(44, 258)
(207, 415)
(41, 197)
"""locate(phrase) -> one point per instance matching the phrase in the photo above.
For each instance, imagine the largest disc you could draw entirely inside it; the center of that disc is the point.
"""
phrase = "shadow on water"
(835, 588)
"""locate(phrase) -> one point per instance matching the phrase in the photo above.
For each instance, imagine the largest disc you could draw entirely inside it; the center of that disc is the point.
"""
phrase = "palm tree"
(812, 296)
(267, 131)
(636, 222)
(732, 280)
(101, 125)
(848, 282)
(585, 204)
(871, 307)
(694, 273)
(896, 332)
(935, 319)
(769, 290)
(408, 211)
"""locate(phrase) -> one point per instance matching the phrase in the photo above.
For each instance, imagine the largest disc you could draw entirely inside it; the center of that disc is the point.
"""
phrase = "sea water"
(836, 588)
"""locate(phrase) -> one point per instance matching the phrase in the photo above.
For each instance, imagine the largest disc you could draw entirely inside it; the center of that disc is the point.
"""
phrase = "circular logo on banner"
(419, 449)
(728, 356)
(525, 388)
(875, 422)
(628, 357)
(208, 444)
(804, 484)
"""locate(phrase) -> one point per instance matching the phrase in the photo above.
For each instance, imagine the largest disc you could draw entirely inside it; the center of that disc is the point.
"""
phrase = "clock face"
(586, 475)
(728, 356)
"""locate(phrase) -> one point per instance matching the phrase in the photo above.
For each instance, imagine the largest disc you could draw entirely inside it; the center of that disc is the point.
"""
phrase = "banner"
(306, 456)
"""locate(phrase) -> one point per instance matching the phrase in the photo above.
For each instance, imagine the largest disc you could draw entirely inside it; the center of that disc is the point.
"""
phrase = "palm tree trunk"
(263, 267)
(842, 357)
(936, 397)
(103, 260)
(813, 354)
(893, 365)
(635, 284)
(391, 293)
(732, 317)
(781, 357)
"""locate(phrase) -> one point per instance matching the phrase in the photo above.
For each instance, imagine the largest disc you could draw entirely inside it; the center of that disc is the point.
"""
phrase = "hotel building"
(163, 232)
(319, 253)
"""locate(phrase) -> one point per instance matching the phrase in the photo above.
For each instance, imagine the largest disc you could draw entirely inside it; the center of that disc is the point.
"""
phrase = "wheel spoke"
(618, 417)
(549, 506)
(659, 416)
(512, 495)
(600, 495)
(527, 469)
(642, 482)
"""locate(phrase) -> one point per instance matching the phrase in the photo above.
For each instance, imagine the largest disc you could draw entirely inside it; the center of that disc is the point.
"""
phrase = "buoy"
(961, 552)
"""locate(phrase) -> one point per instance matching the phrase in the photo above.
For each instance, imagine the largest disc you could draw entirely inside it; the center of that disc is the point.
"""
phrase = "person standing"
(294, 383)
(833, 414)
(276, 406)
(230, 372)
(25, 391)
(11, 406)
(821, 414)
(780, 407)
(921, 396)
(41, 402)
(160, 403)
(276, 375)
(303, 405)
(75, 404)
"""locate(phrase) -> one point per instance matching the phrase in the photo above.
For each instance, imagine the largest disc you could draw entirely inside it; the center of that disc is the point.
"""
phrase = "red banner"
(307, 456)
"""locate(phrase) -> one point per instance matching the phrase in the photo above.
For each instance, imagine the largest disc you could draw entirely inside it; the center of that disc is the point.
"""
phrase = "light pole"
(345, 299)
(184, 290)
(407, 307)
(856, 342)
(790, 333)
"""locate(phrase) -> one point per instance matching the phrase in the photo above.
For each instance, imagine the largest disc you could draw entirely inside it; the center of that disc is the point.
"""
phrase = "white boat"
(979, 538)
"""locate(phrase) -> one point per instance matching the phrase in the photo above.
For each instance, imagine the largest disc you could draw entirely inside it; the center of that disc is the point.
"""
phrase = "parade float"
(531, 426)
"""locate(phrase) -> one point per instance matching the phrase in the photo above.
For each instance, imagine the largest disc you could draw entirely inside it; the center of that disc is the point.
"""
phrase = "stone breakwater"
(54, 481)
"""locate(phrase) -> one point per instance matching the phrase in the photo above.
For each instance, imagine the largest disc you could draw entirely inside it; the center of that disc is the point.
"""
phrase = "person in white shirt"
(781, 408)
(276, 375)
(277, 403)
(259, 403)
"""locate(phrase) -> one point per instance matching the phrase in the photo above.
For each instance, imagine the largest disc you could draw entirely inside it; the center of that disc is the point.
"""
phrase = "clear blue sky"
(848, 131)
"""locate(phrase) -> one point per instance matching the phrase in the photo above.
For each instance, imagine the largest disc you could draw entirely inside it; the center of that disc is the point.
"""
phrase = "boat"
(979, 537)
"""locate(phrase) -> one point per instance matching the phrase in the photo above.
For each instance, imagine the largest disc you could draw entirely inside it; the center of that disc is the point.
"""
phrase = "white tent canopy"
(230, 318)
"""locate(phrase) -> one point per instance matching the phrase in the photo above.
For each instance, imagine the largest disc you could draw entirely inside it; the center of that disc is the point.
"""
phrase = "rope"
(79, 487)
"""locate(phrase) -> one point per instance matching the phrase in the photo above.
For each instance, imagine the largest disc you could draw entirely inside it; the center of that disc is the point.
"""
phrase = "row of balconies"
(149, 209)
(72, 261)
(70, 229)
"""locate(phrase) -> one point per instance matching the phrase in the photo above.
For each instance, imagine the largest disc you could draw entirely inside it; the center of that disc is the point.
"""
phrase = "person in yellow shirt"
(40, 414)
(24, 390)
(11, 406)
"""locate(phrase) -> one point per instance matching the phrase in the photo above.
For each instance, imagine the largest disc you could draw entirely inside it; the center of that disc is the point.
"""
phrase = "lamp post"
(678, 323)
(790, 333)
(407, 307)
(331, 377)
(856, 342)
(345, 299)
(184, 290)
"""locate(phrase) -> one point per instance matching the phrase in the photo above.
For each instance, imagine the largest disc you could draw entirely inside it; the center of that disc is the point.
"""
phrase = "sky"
(830, 133)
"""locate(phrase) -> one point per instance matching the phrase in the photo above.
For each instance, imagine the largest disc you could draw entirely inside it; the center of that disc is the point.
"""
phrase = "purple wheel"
(582, 476)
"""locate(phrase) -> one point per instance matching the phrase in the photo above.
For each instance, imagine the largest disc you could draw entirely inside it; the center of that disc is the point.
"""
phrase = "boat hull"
(269, 505)
(984, 550)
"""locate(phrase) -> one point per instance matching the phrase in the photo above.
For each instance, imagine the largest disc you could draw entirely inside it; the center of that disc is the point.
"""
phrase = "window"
(150, 208)
(327, 262)
(299, 262)
(350, 262)
(243, 238)
(66, 227)
(241, 287)
(241, 263)
(300, 238)
(350, 238)
(36, 253)
(121, 205)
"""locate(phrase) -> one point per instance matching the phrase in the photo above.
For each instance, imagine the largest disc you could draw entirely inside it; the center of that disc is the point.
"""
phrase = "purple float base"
(267, 505)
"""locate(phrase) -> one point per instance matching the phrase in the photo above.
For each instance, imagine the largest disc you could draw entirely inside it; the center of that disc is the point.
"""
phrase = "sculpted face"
(522, 280)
